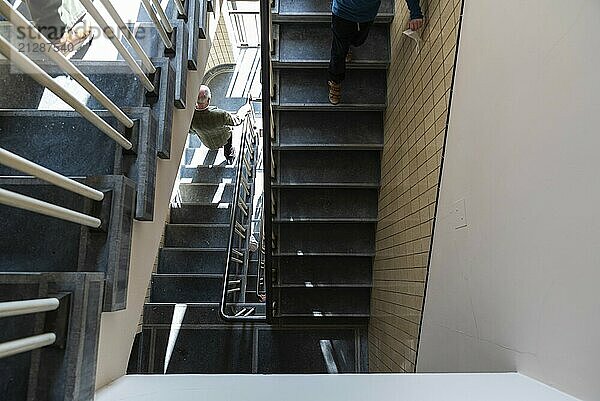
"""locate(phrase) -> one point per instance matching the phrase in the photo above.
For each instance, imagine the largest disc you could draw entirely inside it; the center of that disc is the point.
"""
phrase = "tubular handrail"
(24, 202)
(22, 345)
(38, 74)
(242, 231)
(108, 31)
(135, 44)
(19, 21)
(28, 167)
(163, 17)
(19, 308)
(180, 7)
(268, 164)
(27, 307)
(162, 32)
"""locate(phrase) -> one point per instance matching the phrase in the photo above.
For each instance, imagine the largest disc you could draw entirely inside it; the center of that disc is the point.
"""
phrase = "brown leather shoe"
(335, 92)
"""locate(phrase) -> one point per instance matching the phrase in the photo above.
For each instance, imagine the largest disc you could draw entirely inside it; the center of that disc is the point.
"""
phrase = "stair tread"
(330, 107)
(340, 254)
(279, 64)
(206, 225)
(323, 285)
(326, 220)
(328, 146)
(325, 185)
(182, 249)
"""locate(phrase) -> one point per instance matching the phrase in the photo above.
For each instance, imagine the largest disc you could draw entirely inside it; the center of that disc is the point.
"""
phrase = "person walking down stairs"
(213, 125)
(62, 22)
(350, 24)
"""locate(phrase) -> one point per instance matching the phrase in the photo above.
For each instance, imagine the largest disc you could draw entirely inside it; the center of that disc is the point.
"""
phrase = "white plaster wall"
(407, 387)
(518, 288)
(118, 329)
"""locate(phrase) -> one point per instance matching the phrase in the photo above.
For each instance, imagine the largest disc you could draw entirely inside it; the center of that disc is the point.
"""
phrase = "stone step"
(300, 203)
(197, 235)
(341, 166)
(207, 174)
(192, 260)
(88, 151)
(205, 193)
(192, 288)
(31, 242)
(121, 86)
(304, 10)
(329, 127)
(323, 270)
(298, 87)
(307, 238)
(331, 302)
(201, 213)
(195, 313)
(300, 43)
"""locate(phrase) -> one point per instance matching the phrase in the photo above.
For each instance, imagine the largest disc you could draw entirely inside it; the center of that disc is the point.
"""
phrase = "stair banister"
(19, 21)
(135, 44)
(108, 31)
(19, 201)
(268, 164)
(22, 345)
(38, 74)
(27, 307)
(28, 167)
(162, 32)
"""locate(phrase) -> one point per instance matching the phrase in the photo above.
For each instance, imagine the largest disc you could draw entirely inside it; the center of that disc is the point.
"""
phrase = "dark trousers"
(227, 147)
(46, 17)
(345, 34)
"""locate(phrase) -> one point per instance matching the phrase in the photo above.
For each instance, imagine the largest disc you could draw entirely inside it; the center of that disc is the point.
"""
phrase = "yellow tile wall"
(220, 51)
(419, 84)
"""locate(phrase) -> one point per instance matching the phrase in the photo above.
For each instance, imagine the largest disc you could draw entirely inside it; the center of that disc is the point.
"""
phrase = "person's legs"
(47, 18)
(228, 151)
(362, 34)
(343, 32)
(71, 12)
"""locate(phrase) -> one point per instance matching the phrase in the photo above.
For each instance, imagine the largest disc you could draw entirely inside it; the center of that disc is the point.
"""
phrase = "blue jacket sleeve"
(415, 9)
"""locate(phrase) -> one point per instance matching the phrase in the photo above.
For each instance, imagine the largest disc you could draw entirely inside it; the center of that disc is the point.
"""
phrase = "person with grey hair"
(213, 125)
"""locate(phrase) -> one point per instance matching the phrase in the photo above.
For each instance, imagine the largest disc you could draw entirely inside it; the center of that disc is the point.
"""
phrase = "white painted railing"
(163, 30)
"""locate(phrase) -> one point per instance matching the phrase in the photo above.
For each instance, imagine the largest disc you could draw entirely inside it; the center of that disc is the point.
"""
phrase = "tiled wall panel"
(419, 84)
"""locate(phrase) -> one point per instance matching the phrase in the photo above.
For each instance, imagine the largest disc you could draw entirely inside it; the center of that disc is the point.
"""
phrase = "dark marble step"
(197, 236)
(297, 87)
(150, 41)
(207, 174)
(298, 203)
(114, 78)
(319, 9)
(31, 242)
(342, 166)
(206, 313)
(73, 358)
(228, 349)
(206, 193)
(188, 260)
(302, 42)
(67, 143)
(306, 238)
(324, 302)
(323, 270)
(179, 288)
(328, 127)
(199, 213)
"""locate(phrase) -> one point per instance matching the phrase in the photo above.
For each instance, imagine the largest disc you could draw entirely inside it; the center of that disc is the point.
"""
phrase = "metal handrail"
(19, 201)
(268, 165)
(180, 7)
(28, 167)
(135, 44)
(39, 75)
(163, 17)
(22, 345)
(27, 307)
(19, 21)
(19, 308)
(108, 31)
(234, 227)
(162, 32)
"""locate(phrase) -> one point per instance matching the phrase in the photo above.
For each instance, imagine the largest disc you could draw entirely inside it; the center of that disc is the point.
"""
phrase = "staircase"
(327, 166)
(182, 330)
(83, 269)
